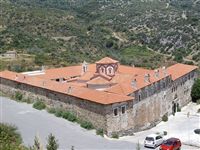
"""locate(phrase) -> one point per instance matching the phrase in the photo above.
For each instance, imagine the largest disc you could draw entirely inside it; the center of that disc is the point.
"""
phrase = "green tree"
(52, 143)
(195, 94)
(10, 139)
(37, 145)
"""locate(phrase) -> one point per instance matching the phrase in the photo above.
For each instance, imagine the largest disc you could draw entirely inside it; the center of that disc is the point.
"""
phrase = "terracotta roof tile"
(107, 60)
(116, 93)
(99, 80)
(178, 70)
(76, 91)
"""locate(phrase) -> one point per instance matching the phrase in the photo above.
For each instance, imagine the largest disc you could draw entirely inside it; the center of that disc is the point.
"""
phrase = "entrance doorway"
(174, 108)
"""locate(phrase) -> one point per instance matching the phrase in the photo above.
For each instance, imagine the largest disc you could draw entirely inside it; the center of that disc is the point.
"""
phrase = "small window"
(123, 109)
(115, 112)
(158, 137)
(139, 97)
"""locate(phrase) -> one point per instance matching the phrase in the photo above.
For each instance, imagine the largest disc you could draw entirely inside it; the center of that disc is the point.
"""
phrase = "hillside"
(63, 32)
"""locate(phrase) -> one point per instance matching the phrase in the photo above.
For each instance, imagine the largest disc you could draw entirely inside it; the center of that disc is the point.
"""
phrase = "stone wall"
(139, 115)
(148, 111)
(181, 90)
(86, 110)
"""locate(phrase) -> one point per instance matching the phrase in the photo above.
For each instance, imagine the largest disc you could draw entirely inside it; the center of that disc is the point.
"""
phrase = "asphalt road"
(32, 122)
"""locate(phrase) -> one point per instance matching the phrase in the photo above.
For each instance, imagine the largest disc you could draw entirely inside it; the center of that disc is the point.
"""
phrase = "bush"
(165, 118)
(99, 132)
(87, 125)
(10, 139)
(195, 93)
(115, 135)
(178, 109)
(71, 117)
(198, 102)
(198, 111)
(65, 114)
(165, 132)
(51, 110)
(52, 143)
(59, 113)
(18, 96)
(39, 105)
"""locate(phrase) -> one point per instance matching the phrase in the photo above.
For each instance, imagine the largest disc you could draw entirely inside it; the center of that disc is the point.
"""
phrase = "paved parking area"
(180, 126)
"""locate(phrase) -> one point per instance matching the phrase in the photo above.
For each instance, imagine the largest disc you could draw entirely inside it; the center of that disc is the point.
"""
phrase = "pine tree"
(37, 145)
(52, 143)
(138, 146)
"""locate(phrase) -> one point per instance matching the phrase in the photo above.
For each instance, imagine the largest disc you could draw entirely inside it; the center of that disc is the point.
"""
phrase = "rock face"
(123, 118)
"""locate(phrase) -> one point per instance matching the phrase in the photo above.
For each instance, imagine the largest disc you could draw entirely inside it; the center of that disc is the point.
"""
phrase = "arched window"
(110, 70)
(102, 70)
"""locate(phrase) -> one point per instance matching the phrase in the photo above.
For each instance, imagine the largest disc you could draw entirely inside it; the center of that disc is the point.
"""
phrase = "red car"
(171, 144)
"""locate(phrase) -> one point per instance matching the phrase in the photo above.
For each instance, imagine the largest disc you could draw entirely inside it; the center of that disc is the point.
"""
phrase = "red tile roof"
(107, 60)
(179, 70)
(116, 93)
(76, 91)
(99, 80)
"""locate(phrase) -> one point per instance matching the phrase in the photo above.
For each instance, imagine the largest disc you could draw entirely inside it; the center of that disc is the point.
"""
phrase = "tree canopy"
(196, 91)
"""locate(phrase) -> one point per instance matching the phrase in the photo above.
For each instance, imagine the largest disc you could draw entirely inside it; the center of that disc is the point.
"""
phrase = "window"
(115, 111)
(158, 137)
(123, 109)
(139, 97)
(102, 70)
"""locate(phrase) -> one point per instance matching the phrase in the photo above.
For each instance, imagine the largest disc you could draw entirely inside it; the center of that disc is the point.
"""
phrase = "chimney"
(42, 68)
(16, 77)
(164, 70)
(157, 73)
(134, 83)
(69, 90)
(147, 78)
(84, 67)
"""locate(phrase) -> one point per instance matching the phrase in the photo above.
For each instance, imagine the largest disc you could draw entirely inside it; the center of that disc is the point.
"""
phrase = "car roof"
(173, 139)
(152, 135)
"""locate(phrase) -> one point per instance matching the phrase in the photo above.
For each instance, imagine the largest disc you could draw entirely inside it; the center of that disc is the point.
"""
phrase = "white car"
(153, 140)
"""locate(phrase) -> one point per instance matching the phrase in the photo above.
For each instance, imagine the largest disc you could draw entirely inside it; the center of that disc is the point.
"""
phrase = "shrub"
(198, 111)
(165, 132)
(51, 110)
(65, 114)
(115, 135)
(52, 143)
(87, 125)
(10, 139)
(99, 132)
(178, 109)
(39, 105)
(71, 117)
(18, 96)
(59, 113)
(195, 93)
(198, 102)
(165, 118)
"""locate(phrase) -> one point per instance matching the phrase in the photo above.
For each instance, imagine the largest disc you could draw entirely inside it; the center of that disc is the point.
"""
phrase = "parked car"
(153, 140)
(171, 144)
